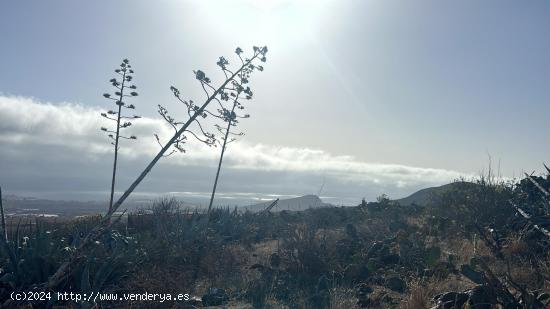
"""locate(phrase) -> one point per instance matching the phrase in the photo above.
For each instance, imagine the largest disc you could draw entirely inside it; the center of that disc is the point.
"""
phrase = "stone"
(467, 271)
(396, 284)
(362, 295)
(374, 249)
(477, 297)
(215, 297)
(480, 297)
(390, 259)
(357, 272)
(450, 300)
(194, 302)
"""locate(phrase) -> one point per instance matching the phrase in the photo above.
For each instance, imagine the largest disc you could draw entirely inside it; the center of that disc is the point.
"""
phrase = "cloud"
(65, 141)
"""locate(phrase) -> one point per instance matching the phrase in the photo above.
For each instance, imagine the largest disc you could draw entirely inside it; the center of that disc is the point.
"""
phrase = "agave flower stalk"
(235, 92)
(230, 116)
(125, 71)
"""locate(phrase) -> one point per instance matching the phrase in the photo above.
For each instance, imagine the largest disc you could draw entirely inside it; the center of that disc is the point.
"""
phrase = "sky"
(358, 98)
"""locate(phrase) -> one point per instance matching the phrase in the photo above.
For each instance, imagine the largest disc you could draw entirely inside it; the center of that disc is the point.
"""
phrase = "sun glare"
(280, 23)
(268, 5)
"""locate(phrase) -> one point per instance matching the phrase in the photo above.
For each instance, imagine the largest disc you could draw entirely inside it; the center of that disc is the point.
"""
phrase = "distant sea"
(226, 199)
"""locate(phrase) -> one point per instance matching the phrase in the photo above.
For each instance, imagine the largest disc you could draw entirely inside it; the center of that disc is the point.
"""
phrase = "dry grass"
(419, 298)
(321, 255)
(421, 293)
(516, 247)
(526, 276)
(342, 299)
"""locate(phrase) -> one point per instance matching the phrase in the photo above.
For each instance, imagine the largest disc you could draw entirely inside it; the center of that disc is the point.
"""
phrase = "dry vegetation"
(467, 249)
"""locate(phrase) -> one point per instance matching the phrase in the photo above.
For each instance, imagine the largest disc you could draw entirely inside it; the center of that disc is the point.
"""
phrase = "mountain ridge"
(424, 197)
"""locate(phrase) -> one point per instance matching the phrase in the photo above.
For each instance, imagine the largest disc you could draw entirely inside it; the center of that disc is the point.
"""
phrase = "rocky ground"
(475, 246)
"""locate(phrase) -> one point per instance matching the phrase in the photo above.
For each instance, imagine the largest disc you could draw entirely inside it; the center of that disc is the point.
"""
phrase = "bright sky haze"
(368, 97)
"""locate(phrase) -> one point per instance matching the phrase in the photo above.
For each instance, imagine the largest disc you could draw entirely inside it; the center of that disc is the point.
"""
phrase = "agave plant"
(116, 258)
(28, 260)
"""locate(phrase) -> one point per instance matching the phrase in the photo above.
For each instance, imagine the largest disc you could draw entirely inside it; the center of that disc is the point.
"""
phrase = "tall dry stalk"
(230, 116)
(125, 71)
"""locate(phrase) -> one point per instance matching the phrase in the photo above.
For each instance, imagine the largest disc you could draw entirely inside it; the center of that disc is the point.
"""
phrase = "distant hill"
(424, 197)
(297, 203)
